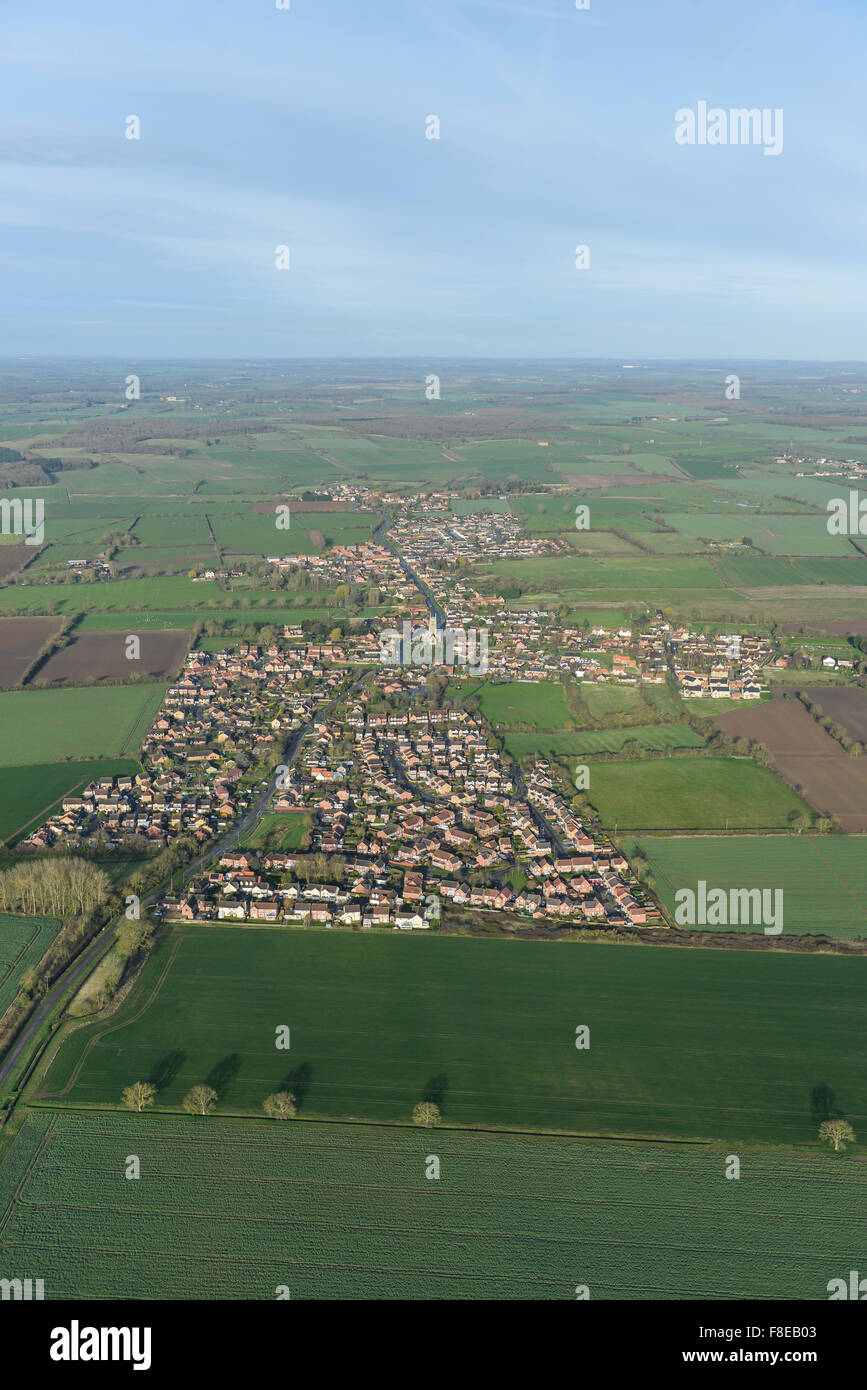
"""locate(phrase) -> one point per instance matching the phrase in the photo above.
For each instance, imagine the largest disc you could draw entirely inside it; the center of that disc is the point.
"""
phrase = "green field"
(645, 577)
(748, 572)
(23, 942)
(136, 622)
(603, 701)
(655, 737)
(87, 722)
(257, 534)
(691, 794)
(780, 535)
(28, 794)
(121, 595)
(236, 1210)
(538, 703)
(679, 1038)
(823, 878)
(158, 595)
(277, 832)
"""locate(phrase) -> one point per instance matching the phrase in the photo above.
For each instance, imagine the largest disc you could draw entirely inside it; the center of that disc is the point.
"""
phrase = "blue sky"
(306, 127)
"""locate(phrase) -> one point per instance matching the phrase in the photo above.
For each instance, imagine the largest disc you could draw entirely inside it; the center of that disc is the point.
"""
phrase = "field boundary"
(251, 1117)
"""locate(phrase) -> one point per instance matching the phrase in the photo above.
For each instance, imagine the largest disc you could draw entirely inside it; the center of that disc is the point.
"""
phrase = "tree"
(426, 1114)
(138, 1095)
(200, 1100)
(132, 936)
(280, 1106)
(837, 1132)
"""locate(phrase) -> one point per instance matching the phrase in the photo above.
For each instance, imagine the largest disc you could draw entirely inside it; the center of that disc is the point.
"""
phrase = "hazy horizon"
(307, 128)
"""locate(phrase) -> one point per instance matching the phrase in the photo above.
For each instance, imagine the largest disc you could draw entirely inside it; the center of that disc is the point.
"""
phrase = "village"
(407, 804)
(407, 809)
(222, 726)
(220, 729)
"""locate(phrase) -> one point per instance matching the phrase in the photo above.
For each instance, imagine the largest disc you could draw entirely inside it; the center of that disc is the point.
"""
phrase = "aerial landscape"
(433, 782)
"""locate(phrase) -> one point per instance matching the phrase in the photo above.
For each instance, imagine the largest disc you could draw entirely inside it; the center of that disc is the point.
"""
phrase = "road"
(433, 606)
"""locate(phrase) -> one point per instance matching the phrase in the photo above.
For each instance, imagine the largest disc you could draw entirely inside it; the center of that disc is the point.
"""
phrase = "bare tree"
(54, 887)
(426, 1114)
(837, 1132)
(138, 1095)
(280, 1106)
(200, 1100)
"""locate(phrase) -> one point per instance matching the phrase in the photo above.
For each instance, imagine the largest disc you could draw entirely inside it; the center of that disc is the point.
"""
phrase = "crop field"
(625, 513)
(600, 543)
(546, 513)
(166, 561)
(20, 640)
(646, 576)
(236, 617)
(668, 543)
(23, 942)
(90, 722)
(235, 1210)
(188, 530)
(541, 704)
(251, 534)
(802, 603)
(487, 1029)
(806, 756)
(654, 737)
(780, 535)
(749, 572)
(119, 596)
(132, 622)
(823, 878)
(503, 458)
(97, 656)
(690, 794)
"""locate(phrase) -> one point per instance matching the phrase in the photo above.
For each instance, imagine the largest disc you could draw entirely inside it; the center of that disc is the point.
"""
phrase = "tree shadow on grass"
(823, 1105)
(164, 1073)
(224, 1072)
(298, 1082)
(436, 1089)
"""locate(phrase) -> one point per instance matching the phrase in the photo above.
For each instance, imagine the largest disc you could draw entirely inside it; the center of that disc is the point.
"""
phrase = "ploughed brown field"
(806, 756)
(12, 557)
(845, 706)
(100, 656)
(20, 641)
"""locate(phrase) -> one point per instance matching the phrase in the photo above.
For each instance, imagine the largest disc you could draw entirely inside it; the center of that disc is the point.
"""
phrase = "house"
(409, 921)
(266, 910)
